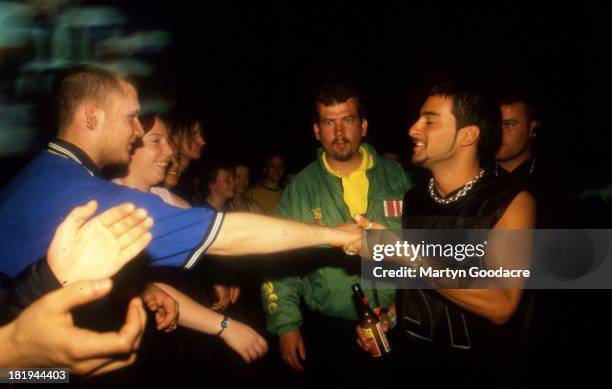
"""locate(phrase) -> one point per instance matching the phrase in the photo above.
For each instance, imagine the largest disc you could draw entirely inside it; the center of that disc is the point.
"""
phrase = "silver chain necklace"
(456, 196)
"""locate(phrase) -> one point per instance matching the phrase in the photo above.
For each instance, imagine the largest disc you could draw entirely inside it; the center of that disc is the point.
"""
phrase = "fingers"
(252, 353)
(79, 293)
(102, 345)
(260, 346)
(384, 324)
(135, 322)
(223, 294)
(367, 224)
(125, 224)
(362, 341)
(245, 355)
(293, 361)
(257, 346)
(221, 304)
(97, 347)
(127, 340)
(165, 307)
(168, 316)
(115, 365)
(130, 236)
(352, 248)
(291, 344)
(301, 349)
(171, 327)
(290, 356)
(89, 366)
(160, 317)
(258, 349)
(131, 251)
(151, 302)
(263, 344)
(361, 220)
(115, 214)
(234, 294)
(364, 346)
(136, 305)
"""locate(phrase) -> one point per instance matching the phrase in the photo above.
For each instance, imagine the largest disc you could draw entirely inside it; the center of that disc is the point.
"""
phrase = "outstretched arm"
(240, 337)
(246, 233)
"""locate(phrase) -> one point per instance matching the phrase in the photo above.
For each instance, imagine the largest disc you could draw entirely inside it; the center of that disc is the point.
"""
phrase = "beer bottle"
(370, 324)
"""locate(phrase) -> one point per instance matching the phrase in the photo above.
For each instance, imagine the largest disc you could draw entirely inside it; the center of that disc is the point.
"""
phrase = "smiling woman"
(150, 156)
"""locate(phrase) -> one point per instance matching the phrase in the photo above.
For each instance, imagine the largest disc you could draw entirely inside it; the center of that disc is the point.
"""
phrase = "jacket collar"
(68, 150)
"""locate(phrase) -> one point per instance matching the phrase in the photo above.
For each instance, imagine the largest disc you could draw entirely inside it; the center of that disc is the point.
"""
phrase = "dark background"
(250, 71)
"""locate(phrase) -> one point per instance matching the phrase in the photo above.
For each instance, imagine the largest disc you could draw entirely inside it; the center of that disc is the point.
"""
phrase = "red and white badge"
(393, 208)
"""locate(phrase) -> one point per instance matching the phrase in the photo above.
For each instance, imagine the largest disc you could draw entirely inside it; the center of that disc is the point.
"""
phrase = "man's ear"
(469, 135)
(364, 127)
(533, 128)
(317, 131)
(94, 116)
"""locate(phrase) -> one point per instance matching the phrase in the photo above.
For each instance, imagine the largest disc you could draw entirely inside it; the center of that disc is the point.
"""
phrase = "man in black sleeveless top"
(460, 335)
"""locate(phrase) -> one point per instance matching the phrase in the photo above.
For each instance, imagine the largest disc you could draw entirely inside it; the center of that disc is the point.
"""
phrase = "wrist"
(223, 325)
(57, 271)
(12, 351)
(334, 237)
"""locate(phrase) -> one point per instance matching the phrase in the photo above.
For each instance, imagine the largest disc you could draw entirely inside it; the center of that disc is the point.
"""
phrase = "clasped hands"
(354, 248)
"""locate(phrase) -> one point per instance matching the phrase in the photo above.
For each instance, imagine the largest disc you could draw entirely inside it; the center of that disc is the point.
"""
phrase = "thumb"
(302, 349)
(79, 293)
(361, 220)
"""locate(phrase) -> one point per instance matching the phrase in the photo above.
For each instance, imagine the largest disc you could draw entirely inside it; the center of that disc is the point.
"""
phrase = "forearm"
(244, 233)
(495, 305)
(192, 314)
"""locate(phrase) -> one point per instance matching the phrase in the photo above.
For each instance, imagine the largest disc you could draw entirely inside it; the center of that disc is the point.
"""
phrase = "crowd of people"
(161, 219)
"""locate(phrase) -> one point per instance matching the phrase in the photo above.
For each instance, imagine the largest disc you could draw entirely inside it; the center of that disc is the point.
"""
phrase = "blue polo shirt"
(63, 177)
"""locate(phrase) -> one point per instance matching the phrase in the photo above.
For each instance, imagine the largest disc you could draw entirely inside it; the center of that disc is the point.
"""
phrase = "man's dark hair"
(336, 93)
(78, 84)
(270, 156)
(471, 107)
(210, 175)
(518, 96)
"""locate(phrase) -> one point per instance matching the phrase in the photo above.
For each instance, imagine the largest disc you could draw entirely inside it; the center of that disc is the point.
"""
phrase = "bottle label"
(372, 344)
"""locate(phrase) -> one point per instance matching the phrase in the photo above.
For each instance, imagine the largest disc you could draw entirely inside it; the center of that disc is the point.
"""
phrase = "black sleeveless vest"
(424, 316)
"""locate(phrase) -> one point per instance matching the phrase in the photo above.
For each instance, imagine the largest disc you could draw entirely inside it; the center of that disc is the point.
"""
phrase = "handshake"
(354, 248)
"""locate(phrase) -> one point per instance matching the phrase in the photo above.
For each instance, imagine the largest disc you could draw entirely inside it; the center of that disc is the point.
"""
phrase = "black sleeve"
(30, 285)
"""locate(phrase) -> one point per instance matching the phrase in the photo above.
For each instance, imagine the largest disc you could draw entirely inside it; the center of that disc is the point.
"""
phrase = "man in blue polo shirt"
(97, 126)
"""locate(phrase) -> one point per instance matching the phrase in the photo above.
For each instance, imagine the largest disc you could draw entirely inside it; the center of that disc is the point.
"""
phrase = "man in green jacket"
(348, 178)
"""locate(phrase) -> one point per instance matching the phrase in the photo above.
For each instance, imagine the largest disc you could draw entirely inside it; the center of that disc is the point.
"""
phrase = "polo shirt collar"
(68, 150)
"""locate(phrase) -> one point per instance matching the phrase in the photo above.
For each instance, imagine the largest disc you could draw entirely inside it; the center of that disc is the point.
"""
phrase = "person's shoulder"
(417, 192)
(520, 213)
(48, 164)
(306, 175)
(46, 173)
(505, 189)
(390, 165)
(313, 166)
(523, 200)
